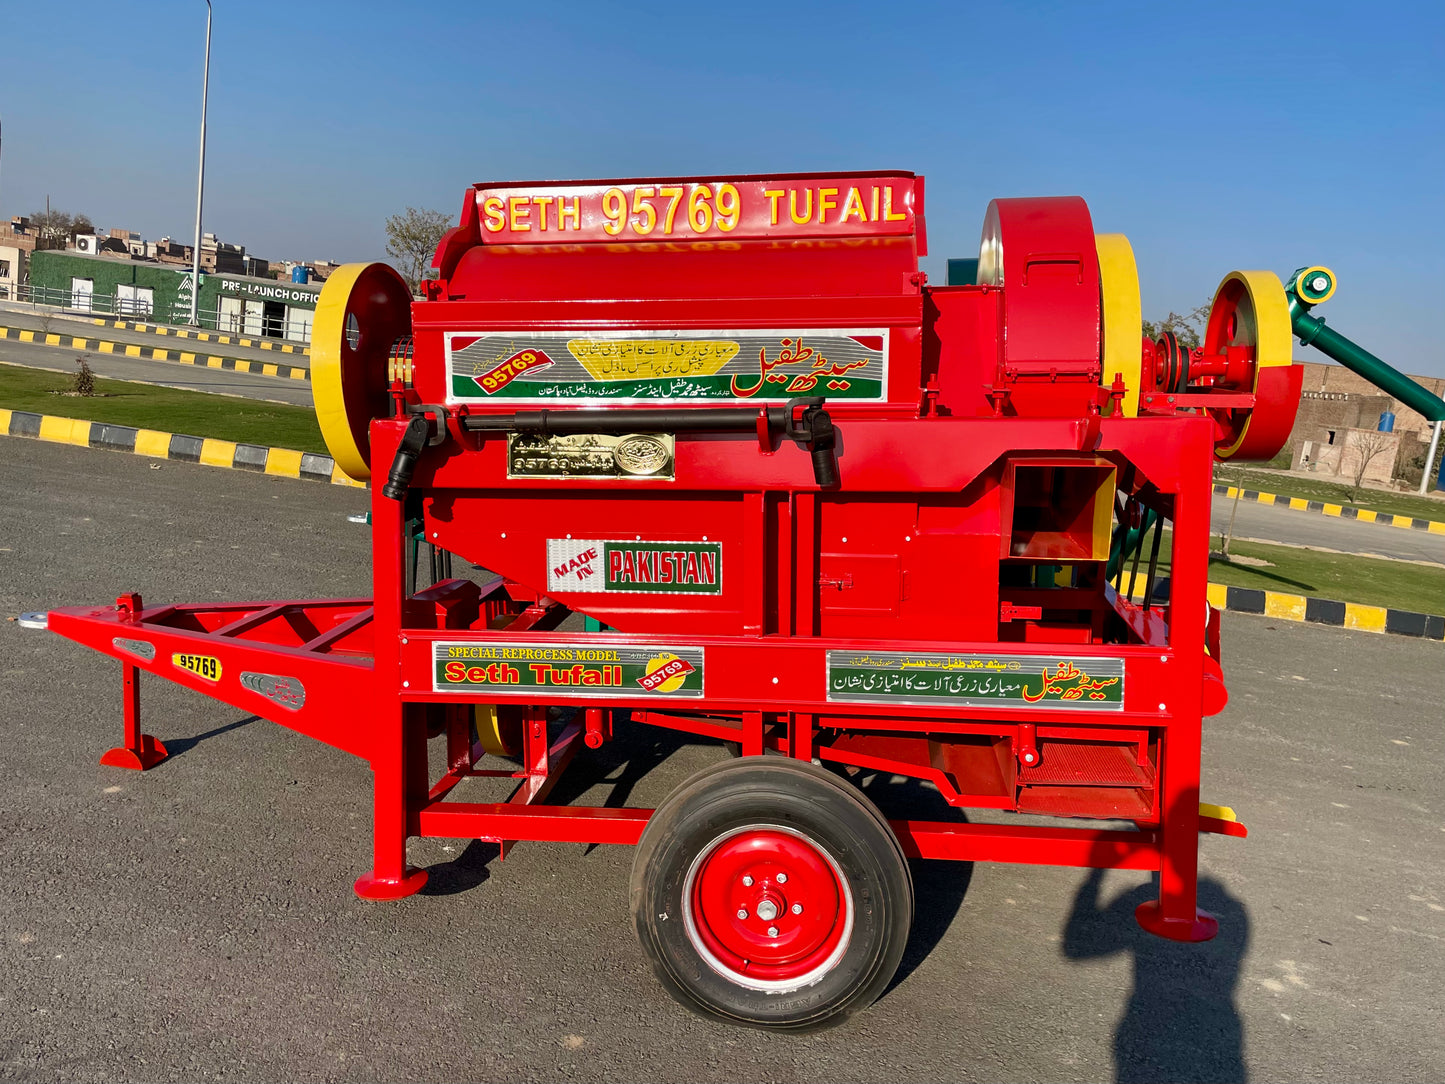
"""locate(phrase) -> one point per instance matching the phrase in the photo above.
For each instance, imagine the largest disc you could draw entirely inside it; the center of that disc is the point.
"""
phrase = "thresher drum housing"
(740, 471)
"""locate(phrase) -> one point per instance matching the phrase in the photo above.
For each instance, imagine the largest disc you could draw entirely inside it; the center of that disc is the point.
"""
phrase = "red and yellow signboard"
(673, 209)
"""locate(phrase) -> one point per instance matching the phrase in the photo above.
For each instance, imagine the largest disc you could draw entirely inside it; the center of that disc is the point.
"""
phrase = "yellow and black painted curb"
(282, 462)
(203, 336)
(1316, 611)
(1364, 515)
(156, 353)
(1323, 611)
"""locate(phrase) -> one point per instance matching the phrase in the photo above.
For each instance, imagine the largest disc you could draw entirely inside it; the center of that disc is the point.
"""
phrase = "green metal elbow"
(1310, 286)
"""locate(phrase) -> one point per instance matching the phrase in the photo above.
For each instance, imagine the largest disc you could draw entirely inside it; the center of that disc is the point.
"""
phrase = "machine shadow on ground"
(1217, 559)
(176, 746)
(1180, 1022)
(615, 770)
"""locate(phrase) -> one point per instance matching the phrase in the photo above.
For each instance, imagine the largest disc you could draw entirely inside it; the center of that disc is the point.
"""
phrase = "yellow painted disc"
(363, 309)
(1262, 321)
(498, 729)
(1317, 270)
(1123, 317)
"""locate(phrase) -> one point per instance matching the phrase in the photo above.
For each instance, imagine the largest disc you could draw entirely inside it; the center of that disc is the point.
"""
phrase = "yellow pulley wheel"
(363, 309)
(1122, 316)
(1250, 310)
(1316, 285)
(499, 726)
(499, 729)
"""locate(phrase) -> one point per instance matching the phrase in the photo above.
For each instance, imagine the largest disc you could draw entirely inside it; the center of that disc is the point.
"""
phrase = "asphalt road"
(80, 325)
(1267, 523)
(170, 374)
(197, 922)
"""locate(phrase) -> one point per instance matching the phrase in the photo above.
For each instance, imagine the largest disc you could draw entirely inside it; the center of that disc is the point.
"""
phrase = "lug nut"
(747, 882)
(797, 908)
(782, 878)
(742, 912)
(772, 931)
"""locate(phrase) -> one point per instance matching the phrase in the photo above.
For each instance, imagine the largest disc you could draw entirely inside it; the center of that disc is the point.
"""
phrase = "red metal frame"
(925, 480)
(766, 677)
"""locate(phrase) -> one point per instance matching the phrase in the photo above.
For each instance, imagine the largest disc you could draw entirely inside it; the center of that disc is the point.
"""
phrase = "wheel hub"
(768, 908)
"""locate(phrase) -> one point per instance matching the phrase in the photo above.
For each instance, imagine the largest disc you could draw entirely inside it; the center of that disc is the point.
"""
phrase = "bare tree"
(56, 228)
(1188, 329)
(412, 238)
(1366, 445)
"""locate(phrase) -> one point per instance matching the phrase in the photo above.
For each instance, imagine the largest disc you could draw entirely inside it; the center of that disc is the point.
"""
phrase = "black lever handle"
(813, 429)
(413, 440)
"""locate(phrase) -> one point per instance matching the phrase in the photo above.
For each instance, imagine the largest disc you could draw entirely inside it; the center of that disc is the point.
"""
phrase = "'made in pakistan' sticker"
(515, 669)
(597, 566)
(976, 681)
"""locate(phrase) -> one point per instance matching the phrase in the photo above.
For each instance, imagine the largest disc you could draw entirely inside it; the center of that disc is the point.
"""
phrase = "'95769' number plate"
(206, 666)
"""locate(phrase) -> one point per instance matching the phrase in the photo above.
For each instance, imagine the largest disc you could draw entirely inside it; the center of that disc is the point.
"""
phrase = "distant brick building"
(1338, 407)
(19, 233)
(1331, 380)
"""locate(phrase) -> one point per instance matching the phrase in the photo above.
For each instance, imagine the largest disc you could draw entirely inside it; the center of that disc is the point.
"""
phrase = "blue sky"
(1222, 135)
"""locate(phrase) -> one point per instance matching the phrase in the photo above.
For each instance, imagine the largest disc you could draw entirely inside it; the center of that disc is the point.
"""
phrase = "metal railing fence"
(253, 325)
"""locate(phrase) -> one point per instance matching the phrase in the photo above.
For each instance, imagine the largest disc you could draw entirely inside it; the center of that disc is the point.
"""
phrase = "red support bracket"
(140, 751)
(1007, 612)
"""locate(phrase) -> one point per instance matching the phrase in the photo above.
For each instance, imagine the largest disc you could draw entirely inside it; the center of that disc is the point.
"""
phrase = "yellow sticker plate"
(206, 666)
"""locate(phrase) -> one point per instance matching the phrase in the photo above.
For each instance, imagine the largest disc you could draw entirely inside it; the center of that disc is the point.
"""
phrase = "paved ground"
(171, 374)
(75, 324)
(1270, 524)
(197, 922)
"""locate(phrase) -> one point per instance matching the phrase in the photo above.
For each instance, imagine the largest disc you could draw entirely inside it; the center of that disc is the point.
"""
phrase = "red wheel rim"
(768, 908)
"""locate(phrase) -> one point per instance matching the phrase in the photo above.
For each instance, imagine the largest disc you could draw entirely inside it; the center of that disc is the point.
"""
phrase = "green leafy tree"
(412, 238)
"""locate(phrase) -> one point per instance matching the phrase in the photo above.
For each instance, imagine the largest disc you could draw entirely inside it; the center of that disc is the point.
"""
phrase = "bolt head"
(772, 931)
(797, 908)
(767, 910)
(1319, 284)
(782, 878)
(747, 881)
(742, 912)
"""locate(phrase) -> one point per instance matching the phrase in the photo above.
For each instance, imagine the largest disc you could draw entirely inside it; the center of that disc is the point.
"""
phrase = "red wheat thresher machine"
(791, 497)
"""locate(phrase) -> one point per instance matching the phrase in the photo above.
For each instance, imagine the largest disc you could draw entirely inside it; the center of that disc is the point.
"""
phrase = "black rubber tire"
(835, 818)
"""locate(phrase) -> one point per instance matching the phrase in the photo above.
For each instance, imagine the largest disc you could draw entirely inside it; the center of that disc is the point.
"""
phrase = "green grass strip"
(146, 406)
(1343, 577)
(1339, 576)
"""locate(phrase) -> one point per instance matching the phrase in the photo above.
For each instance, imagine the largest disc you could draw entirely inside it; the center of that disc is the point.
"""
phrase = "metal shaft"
(201, 174)
(1312, 331)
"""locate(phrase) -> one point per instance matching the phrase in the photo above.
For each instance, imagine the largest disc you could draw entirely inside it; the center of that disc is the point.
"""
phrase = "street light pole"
(1429, 460)
(201, 175)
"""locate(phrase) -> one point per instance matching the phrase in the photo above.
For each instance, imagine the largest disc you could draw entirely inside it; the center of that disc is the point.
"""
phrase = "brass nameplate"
(590, 455)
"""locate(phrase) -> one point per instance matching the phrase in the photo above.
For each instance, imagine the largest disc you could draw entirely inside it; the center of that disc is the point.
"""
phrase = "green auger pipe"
(1126, 541)
(1310, 286)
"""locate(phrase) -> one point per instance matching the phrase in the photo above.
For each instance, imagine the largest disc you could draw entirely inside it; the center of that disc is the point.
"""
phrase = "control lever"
(810, 426)
(414, 438)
